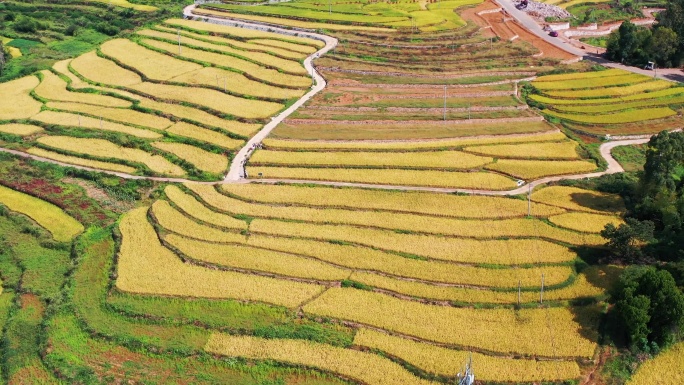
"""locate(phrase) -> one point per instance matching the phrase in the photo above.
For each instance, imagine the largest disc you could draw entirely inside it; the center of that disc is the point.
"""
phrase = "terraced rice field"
(132, 107)
(62, 227)
(288, 245)
(611, 97)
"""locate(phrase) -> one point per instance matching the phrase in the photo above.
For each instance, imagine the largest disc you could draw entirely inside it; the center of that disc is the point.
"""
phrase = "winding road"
(236, 171)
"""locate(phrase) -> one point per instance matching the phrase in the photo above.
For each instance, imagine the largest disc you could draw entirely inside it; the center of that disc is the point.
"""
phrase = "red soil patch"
(547, 49)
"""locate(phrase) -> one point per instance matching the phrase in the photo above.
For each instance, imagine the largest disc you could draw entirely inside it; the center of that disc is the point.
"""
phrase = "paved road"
(605, 150)
(672, 74)
(237, 170)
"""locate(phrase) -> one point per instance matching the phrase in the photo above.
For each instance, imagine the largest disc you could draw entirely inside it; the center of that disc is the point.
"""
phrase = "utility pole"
(529, 200)
(468, 111)
(541, 296)
(445, 102)
(79, 121)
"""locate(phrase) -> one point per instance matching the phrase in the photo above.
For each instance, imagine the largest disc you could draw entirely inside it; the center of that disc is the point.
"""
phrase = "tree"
(662, 46)
(649, 305)
(625, 242)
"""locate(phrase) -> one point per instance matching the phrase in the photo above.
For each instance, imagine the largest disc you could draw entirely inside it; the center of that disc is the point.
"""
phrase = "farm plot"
(105, 150)
(201, 159)
(20, 129)
(52, 87)
(605, 97)
(17, 102)
(77, 121)
(251, 247)
(663, 369)
(80, 161)
(123, 115)
(62, 227)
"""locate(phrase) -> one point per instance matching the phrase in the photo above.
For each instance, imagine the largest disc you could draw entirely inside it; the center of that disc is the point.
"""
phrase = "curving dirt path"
(237, 167)
(605, 149)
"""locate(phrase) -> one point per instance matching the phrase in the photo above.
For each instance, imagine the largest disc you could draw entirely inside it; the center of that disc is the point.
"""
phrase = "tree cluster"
(654, 227)
(664, 44)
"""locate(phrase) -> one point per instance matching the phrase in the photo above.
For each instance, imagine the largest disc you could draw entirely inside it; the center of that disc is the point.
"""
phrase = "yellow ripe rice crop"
(629, 78)
(587, 222)
(227, 104)
(146, 267)
(447, 362)
(63, 68)
(80, 161)
(240, 32)
(16, 102)
(551, 150)
(191, 206)
(54, 88)
(79, 121)
(255, 70)
(505, 252)
(301, 48)
(533, 169)
(399, 221)
(404, 145)
(674, 91)
(205, 135)
(582, 75)
(525, 331)
(194, 114)
(126, 4)
(590, 283)
(234, 82)
(629, 116)
(248, 258)
(152, 64)
(576, 199)
(203, 160)
(366, 259)
(664, 369)
(367, 368)
(653, 85)
(62, 226)
(104, 149)
(606, 108)
(292, 23)
(174, 221)
(223, 44)
(437, 159)
(101, 70)
(473, 206)
(124, 115)
(20, 129)
(478, 180)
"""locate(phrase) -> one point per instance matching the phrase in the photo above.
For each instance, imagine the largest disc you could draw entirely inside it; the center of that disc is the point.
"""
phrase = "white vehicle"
(649, 66)
(520, 182)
